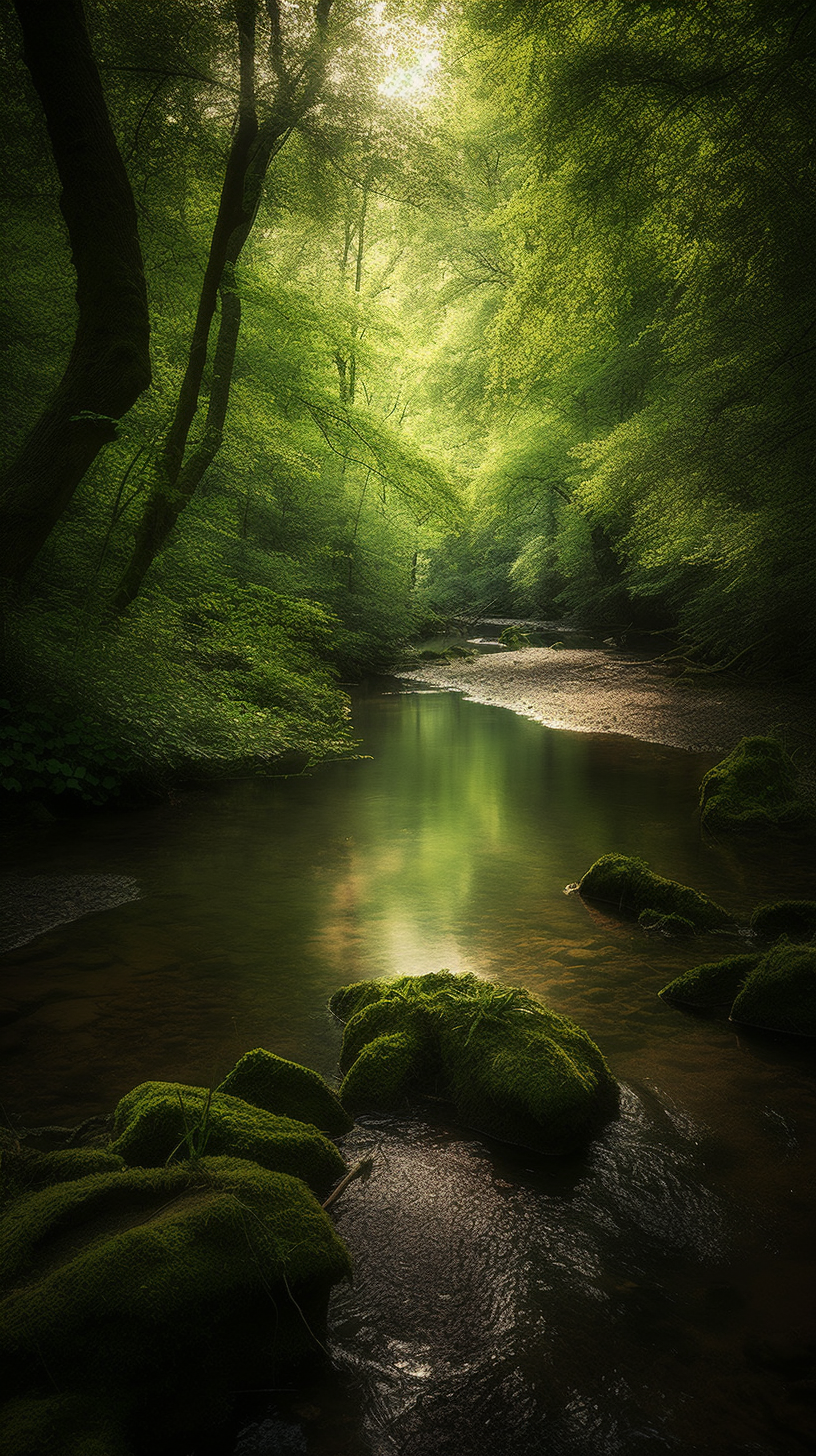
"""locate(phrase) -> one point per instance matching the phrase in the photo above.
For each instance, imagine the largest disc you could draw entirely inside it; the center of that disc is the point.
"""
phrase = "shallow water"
(621, 1303)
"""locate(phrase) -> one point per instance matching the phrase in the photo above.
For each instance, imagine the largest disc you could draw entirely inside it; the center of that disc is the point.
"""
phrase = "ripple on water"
(498, 1287)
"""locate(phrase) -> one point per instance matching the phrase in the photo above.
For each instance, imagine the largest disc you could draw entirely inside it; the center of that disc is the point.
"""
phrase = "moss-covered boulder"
(629, 884)
(277, 1085)
(668, 925)
(23, 1169)
(511, 1068)
(161, 1121)
(780, 993)
(63, 1425)
(794, 918)
(753, 788)
(712, 985)
(166, 1288)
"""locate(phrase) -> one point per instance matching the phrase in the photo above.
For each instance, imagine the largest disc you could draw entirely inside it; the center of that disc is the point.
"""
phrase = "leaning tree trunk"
(109, 365)
(253, 147)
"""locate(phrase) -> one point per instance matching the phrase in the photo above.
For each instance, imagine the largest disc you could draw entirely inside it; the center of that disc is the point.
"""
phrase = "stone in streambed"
(159, 1121)
(711, 985)
(511, 1067)
(628, 883)
(780, 994)
(794, 918)
(287, 1088)
(166, 1289)
(753, 788)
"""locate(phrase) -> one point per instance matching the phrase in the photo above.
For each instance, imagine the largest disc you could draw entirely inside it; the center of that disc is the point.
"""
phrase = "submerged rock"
(668, 925)
(511, 1068)
(285, 1087)
(753, 788)
(165, 1288)
(629, 884)
(780, 994)
(712, 985)
(160, 1121)
(795, 918)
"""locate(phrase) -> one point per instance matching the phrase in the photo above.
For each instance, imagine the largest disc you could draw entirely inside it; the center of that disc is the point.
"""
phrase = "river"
(656, 1294)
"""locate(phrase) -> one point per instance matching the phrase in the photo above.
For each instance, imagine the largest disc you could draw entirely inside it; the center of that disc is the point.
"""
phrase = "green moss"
(669, 925)
(795, 918)
(25, 1168)
(167, 1288)
(61, 1425)
(780, 993)
(285, 1087)
(630, 885)
(158, 1121)
(753, 788)
(713, 984)
(511, 1067)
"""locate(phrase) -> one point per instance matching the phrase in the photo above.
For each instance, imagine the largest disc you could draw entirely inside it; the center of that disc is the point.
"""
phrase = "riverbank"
(597, 690)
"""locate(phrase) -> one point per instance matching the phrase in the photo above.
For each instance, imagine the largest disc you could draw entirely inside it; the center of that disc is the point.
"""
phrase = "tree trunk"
(109, 365)
(253, 148)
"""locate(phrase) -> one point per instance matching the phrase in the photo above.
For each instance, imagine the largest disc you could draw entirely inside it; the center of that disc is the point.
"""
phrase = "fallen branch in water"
(360, 1170)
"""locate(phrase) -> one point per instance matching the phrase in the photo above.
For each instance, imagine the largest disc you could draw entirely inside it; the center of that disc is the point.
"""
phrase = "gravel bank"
(592, 690)
(32, 904)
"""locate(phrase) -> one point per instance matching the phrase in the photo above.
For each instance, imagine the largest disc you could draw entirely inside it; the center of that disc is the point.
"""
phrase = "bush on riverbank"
(753, 788)
(511, 1068)
(629, 884)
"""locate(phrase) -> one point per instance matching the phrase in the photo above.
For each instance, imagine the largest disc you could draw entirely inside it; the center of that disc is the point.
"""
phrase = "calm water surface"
(656, 1294)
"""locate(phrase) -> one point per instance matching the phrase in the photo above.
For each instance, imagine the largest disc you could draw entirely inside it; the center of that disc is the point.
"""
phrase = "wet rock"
(794, 918)
(711, 985)
(780, 993)
(668, 925)
(753, 788)
(628, 883)
(286, 1088)
(511, 1068)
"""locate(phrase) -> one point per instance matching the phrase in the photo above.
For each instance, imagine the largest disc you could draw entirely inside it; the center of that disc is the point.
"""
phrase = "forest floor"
(598, 690)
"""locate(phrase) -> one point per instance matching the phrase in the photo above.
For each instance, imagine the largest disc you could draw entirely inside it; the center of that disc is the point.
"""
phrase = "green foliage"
(50, 753)
(511, 1067)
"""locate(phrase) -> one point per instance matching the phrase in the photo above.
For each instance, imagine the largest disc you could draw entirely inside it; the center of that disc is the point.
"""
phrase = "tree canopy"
(451, 308)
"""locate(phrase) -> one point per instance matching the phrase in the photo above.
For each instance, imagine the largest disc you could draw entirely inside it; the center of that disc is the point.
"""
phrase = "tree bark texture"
(109, 364)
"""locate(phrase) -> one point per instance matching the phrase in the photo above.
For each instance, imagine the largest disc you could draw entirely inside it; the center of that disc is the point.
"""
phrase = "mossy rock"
(514, 637)
(159, 1121)
(754, 788)
(24, 1169)
(712, 985)
(780, 993)
(794, 918)
(288, 1089)
(167, 1288)
(630, 885)
(668, 925)
(511, 1068)
(62, 1425)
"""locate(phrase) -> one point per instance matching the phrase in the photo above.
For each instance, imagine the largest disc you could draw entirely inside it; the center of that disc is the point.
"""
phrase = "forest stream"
(656, 1294)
